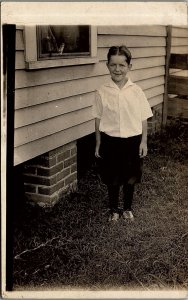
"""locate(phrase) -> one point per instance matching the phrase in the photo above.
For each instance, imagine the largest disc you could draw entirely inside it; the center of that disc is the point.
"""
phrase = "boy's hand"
(97, 152)
(98, 138)
(143, 150)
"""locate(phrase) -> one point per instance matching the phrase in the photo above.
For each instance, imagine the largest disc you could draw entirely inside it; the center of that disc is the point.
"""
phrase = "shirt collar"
(111, 83)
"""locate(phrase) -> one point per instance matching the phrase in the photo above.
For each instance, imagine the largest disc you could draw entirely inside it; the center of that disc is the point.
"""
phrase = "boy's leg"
(128, 191)
(113, 194)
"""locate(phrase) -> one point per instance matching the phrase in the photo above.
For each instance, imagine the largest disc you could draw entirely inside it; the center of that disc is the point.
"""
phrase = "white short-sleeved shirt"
(121, 111)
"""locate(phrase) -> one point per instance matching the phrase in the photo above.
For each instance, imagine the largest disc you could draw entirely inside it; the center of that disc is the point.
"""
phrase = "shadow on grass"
(72, 245)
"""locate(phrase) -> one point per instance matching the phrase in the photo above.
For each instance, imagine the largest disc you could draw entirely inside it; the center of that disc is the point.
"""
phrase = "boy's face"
(118, 68)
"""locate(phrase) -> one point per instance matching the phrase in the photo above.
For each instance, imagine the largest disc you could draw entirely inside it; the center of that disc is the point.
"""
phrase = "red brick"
(48, 161)
(63, 174)
(73, 168)
(42, 200)
(70, 178)
(56, 151)
(62, 156)
(49, 171)
(73, 151)
(40, 180)
(51, 189)
(60, 185)
(70, 161)
(62, 193)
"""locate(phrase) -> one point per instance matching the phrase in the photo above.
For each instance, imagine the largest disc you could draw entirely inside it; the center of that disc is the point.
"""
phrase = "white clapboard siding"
(179, 31)
(138, 75)
(33, 114)
(53, 105)
(143, 63)
(102, 55)
(158, 90)
(35, 148)
(41, 94)
(178, 77)
(133, 30)
(19, 40)
(179, 41)
(19, 60)
(33, 78)
(136, 41)
(41, 77)
(156, 100)
(150, 83)
(136, 52)
(38, 130)
(45, 144)
(179, 49)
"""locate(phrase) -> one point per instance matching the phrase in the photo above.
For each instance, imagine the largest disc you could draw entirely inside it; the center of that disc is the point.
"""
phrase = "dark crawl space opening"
(85, 154)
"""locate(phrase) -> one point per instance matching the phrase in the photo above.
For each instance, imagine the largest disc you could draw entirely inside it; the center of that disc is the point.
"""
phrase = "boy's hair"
(120, 50)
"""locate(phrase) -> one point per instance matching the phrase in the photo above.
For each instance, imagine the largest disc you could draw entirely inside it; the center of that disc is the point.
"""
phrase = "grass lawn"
(72, 245)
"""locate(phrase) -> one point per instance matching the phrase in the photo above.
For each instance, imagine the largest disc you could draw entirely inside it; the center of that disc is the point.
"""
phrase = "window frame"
(31, 52)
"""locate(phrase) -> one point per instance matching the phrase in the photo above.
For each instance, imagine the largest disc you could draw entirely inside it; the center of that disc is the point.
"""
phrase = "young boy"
(121, 111)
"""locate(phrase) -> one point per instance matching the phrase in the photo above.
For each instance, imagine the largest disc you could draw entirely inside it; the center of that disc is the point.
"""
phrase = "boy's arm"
(98, 137)
(143, 145)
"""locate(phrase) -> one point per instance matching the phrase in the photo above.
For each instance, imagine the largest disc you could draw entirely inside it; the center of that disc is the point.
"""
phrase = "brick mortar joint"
(72, 156)
(51, 186)
(55, 197)
(48, 177)
(39, 176)
(64, 188)
(70, 175)
(49, 168)
(63, 170)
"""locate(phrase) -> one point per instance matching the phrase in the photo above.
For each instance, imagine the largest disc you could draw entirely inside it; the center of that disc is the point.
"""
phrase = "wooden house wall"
(53, 106)
(178, 78)
(179, 45)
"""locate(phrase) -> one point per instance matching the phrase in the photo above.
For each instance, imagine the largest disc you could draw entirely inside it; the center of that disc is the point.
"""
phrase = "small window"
(49, 46)
(63, 41)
